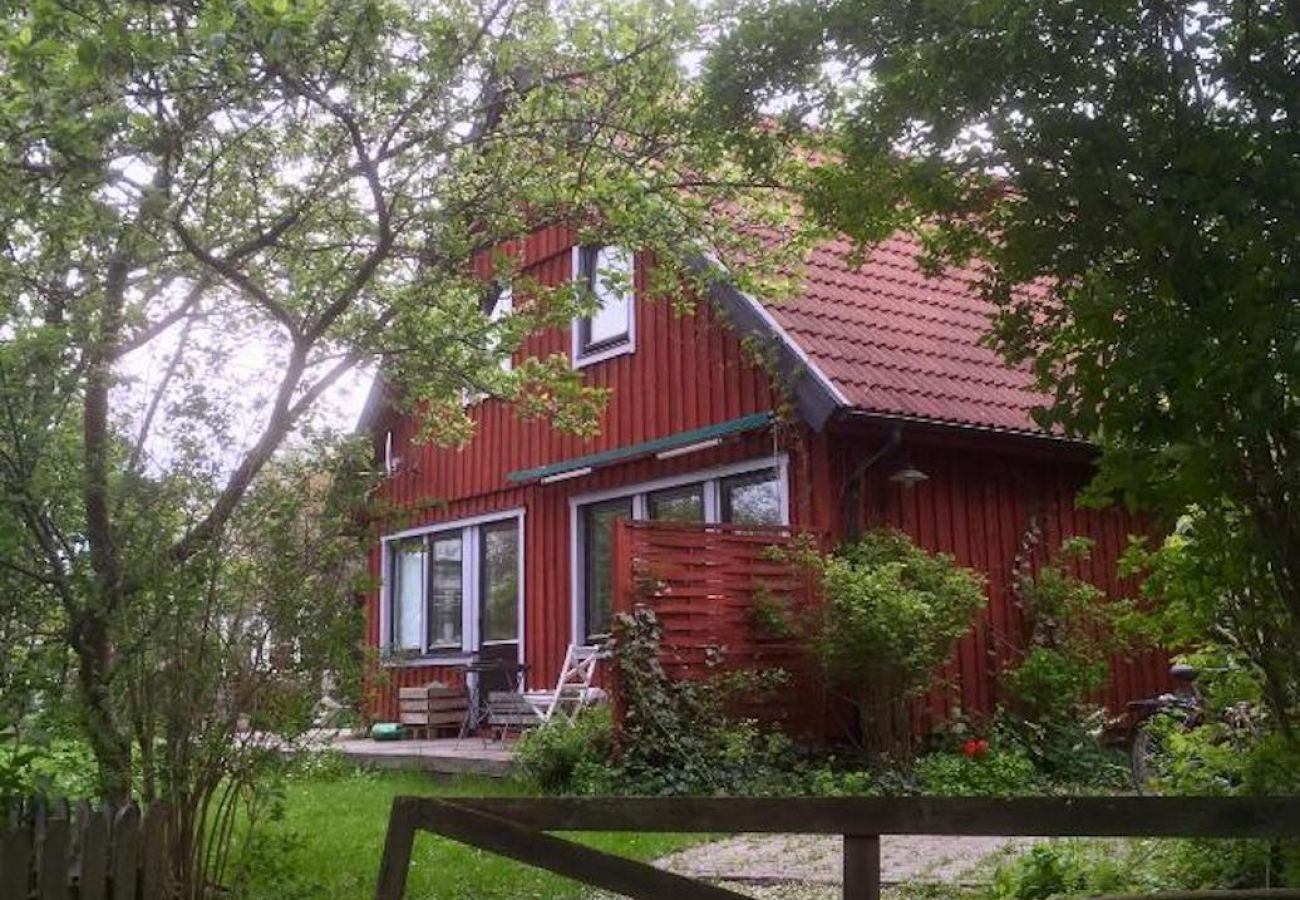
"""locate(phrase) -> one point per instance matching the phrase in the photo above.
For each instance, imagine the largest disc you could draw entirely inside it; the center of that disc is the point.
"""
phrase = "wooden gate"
(517, 829)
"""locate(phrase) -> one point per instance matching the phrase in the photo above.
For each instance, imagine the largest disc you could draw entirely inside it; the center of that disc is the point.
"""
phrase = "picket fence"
(57, 851)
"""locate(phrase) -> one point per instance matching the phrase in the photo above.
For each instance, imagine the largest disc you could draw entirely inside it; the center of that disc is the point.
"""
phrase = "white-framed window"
(503, 306)
(500, 306)
(451, 588)
(391, 460)
(750, 493)
(608, 273)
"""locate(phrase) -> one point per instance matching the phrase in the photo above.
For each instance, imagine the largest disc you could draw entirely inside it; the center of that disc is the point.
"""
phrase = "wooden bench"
(428, 708)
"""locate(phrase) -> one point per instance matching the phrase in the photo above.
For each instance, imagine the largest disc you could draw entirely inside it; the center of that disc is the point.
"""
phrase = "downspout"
(851, 496)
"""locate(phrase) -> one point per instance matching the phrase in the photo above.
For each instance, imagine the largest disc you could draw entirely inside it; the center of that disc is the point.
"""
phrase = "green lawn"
(330, 839)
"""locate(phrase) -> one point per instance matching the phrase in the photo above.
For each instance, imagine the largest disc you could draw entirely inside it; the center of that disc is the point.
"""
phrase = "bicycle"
(1184, 712)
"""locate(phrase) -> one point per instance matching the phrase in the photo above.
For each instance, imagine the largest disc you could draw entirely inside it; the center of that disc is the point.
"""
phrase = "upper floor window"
(501, 306)
(607, 272)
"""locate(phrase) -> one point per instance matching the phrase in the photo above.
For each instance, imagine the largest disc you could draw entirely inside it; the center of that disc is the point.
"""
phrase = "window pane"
(752, 499)
(598, 561)
(683, 504)
(499, 567)
(446, 591)
(607, 272)
(407, 569)
(501, 309)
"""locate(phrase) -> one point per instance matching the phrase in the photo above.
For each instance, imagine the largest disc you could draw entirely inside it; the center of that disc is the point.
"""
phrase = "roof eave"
(816, 398)
(860, 416)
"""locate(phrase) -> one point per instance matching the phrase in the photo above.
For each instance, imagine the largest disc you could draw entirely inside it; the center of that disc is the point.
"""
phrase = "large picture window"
(454, 587)
(746, 495)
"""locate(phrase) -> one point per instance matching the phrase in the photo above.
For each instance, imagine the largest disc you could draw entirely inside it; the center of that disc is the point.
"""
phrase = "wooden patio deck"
(445, 756)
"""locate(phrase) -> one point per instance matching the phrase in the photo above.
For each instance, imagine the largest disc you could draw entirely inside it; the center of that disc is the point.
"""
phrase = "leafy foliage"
(1073, 632)
(891, 615)
(997, 770)
(680, 736)
(1124, 173)
(211, 216)
(567, 757)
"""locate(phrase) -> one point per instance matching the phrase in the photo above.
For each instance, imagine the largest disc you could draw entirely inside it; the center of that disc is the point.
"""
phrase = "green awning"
(646, 448)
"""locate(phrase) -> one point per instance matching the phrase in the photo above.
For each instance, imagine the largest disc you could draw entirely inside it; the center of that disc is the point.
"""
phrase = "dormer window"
(607, 272)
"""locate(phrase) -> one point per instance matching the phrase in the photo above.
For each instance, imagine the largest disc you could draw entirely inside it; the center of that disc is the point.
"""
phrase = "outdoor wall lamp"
(908, 475)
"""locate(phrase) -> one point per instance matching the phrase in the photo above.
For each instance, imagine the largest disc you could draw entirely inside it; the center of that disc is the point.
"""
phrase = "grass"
(330, 838)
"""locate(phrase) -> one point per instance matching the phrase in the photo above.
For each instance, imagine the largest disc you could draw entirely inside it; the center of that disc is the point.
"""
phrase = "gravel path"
(807, 867)
(816, 859)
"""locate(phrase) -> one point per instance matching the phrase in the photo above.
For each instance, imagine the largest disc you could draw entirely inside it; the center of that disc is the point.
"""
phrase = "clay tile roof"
(896, 342)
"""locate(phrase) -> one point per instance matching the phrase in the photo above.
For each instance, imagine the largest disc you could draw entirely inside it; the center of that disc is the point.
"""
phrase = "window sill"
(582, 360)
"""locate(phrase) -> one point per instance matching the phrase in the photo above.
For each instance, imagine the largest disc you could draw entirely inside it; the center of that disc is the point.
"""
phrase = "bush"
(564, 757)
(891, 616)
(1072, 628)
(680, 736)
(1137, 867)
(56, 767)
(981, 769)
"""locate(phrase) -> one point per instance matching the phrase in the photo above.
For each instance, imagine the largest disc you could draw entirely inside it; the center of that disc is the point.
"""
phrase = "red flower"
(975, 747)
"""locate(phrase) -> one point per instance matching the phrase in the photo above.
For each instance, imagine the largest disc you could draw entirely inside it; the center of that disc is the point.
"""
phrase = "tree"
(1126, 174)
(214, 212)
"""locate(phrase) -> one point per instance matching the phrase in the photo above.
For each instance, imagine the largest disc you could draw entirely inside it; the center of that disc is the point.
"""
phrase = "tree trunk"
(110, 744)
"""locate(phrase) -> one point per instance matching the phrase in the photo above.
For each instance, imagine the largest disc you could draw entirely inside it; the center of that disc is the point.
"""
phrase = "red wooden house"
(875, 376)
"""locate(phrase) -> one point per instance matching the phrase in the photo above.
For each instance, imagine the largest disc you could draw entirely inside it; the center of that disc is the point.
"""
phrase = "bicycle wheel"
(1146, 759)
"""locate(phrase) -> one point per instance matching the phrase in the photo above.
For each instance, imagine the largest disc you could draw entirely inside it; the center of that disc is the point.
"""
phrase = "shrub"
(563, 756)
(54, 767)
(1041, 873)
(679, 736)
(1072, 628)
(980, 768)
(891, 616)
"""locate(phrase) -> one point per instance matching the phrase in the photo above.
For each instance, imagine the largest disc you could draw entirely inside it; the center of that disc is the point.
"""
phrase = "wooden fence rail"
(517, 828)
(54, 851)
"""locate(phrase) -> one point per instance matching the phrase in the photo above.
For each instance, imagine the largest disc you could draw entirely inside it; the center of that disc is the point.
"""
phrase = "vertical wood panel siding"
(981, 506)
(688, 371)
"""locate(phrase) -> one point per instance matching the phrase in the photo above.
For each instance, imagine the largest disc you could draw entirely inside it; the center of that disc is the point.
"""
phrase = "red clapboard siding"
(983, 507)
(688, 371)
(703, 583)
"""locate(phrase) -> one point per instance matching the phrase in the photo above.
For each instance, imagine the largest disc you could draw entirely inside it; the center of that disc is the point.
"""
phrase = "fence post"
(861, 867)
(396, 860)
(52, 866)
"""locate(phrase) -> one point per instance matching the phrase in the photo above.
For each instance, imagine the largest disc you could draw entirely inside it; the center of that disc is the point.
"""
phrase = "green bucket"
(386, 731)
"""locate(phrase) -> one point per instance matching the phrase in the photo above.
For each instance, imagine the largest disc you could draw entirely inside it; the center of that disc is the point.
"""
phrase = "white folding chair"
(574, 689)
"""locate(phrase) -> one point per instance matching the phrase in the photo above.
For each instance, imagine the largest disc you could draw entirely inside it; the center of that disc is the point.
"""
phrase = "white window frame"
(712, 479)
(504, 306)
(471, 602)
(391, 459)
(580, 359)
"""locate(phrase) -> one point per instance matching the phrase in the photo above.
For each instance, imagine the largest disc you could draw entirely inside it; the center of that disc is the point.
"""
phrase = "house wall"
(688, 371)
(984, 503)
